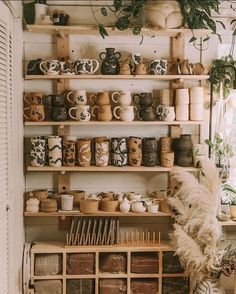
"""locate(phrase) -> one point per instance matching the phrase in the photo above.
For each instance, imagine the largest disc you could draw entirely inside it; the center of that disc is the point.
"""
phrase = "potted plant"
(221, 151)
(231, 193)
(226, 193)
(131, 14)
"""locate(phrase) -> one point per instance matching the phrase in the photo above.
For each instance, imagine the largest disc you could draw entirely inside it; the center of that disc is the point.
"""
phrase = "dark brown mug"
(143, 99)
(146, 114)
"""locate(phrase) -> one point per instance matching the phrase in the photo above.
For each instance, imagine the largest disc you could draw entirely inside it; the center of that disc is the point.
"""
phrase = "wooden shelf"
(64, 169)
(55, 277)
(100, 213)
(229, 223)
(111, 123)
(93, 30)
(118, 77)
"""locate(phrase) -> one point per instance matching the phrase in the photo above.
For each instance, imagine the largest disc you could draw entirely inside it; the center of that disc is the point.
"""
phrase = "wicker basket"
(109, 205)
(89, 206)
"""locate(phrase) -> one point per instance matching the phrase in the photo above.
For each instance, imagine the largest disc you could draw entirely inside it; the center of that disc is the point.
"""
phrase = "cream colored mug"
(127, 113)
(79, 97)
(123, 98)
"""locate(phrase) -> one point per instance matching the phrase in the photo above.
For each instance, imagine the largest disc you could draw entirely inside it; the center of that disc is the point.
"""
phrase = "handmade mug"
(67, 202)
(150, 159)
(119, 145)
(143, 99)
(79, 97)
(34, 98)
(146, 113)
(125, 69)
(119, 159)
(167, 159)
(102, 153)
(55, 151)
(60, 19)
(141, 69)
(197, 111)
(36, 112)
(158, 67)
(127, 113)
(104, 112)
(59, 113)
(38, 151)
(66, 67)
(55, 100)
(100, 98)
(135, 144)
(123, 98)
(68, 152)
(165, 113)
(149, 144)
(165, 144)
(136, 58)
(82, 112)
(135, 158)
(50, 67)
(86, 66)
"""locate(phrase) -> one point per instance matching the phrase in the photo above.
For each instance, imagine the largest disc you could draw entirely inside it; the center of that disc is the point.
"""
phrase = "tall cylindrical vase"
(38, 151)
(55, 151)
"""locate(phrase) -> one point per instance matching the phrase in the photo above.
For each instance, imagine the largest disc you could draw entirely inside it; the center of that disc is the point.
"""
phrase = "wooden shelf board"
(111, 123)
(112, 276)
(229, 223)
(105, 169)
(146, 276)
(55, 277)
(60, 247)
(175, 275)
(100, 213)
(80, 276)
(118, 77)
(93, 30)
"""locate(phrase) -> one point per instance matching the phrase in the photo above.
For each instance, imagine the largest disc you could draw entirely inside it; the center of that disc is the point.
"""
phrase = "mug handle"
(70, 114)
(26, 95)
(113, 96)
(115, 110)
(96, 66)
(25, 116)
(160, 110)
(169, 192)
(68, 97)
(139, 117)
(134, 98)
(93, 109)
(101, 55)
(117, 55)
(42, 66)
(91, 98)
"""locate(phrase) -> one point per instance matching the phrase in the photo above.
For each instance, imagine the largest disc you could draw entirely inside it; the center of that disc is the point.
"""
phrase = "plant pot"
(163, 14)
(233, 211)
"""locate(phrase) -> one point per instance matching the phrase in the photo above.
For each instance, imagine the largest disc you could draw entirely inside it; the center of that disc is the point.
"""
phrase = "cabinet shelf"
(99, 214)
(111, 123)
(118, 77)
(105, 169)
(93, 30)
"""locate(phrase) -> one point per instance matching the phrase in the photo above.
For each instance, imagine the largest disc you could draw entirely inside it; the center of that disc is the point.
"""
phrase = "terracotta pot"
(89, 206)
(40, 194)
(110, 205)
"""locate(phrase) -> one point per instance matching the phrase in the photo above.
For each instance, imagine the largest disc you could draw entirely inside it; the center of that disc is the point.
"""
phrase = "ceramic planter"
(233, 211)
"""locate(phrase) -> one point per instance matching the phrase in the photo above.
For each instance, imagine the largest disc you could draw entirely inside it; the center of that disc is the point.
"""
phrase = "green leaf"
(136, 30)
(234, 32)
(122, 23)
(223, 25)
(193, 39)
(102, 31)
(206, 39)
(209, 143)
(104, 11)
(233, 21)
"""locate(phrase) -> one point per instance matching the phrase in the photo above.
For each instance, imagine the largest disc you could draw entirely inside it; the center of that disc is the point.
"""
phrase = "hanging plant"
(197, 14)
(223, 75)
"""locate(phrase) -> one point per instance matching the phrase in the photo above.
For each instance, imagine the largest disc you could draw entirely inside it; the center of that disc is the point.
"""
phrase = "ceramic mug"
(84, 152)
(104, 112)
(38, 151)
(125, 69)
(167, 97)
(158, 67)
(160, 194)
(33, 98)
(182, 96)
(119, 159)
(123, 98)
(166, 144)
(55, 100)
(102, 153)
(141, 69)
(150, 144)
(66, 67)
(100, 98)
(146, 114)
(150, 159)
(59, 113)
(143, 99)
(82, 113)
(127, 113)
(35, 112)
(135, 144)
(86, 66)
(67, 202)
(135, 158)
(167, 159)
(153, 208)
(79, 97)
(119, 145)
(165, 113)
(136, 58)
(50, 67)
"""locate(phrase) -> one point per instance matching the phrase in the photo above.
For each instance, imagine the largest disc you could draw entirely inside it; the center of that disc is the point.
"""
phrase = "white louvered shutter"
(5, 140)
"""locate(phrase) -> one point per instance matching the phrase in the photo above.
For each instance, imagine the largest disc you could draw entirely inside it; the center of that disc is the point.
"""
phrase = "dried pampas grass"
(197, 232)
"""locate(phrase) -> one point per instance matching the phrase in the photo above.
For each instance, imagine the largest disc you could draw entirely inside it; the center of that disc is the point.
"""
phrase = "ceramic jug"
(127, 113)
(50, 67)
(146, 114)
(125, 205)
(82, 112)
(33, 67)
(138, 206)
(86, 66)
(110, 62)
(123, 97)
(104, 112)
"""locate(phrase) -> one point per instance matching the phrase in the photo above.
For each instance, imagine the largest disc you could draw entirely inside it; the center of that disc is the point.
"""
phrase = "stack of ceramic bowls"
(119, 151)
(182, 104)
(150, 157)
(197, 103)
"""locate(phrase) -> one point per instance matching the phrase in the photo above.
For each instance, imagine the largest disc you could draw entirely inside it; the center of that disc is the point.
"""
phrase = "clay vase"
(150, 159)
(125, 205)
(184, 158)
(165, 144)
(167, 159)
(185, 142)
(135, 144)
(38, 151)
(55, 151)
(110, 62)
(102, 153)
(119, 152)
(149, 145)
(84, 152)
(119, 159)
(125, 69)
(135, 158)
(104, 112)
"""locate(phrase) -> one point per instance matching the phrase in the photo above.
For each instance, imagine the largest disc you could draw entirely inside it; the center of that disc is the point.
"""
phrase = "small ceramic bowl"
(153, 208)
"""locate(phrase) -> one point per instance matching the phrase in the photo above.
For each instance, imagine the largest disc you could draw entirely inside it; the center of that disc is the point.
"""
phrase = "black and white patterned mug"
(158, 67)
